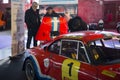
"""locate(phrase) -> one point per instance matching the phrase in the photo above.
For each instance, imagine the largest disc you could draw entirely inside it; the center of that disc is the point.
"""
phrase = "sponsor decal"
(46, 62)
(109, 73)
(70, 69)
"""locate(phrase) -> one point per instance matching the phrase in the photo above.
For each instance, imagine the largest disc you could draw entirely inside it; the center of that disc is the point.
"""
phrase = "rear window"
(106, 50)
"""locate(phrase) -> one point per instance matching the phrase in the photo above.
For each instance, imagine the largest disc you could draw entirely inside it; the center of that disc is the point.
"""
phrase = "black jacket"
(77, 24)
(32, 19)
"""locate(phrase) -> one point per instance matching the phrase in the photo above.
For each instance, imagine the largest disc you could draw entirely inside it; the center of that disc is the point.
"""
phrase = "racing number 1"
(70, 69)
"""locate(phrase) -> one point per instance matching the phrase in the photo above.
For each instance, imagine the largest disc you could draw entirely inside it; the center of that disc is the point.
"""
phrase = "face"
(34, 6)
(50, 11)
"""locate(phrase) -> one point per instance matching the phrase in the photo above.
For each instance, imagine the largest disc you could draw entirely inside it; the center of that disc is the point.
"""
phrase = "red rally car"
(85, 55)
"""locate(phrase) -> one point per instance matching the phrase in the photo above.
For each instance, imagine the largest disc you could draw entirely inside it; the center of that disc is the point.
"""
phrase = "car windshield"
(106, 50)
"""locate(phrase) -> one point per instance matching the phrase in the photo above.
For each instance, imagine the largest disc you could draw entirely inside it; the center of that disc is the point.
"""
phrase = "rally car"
(85, 55)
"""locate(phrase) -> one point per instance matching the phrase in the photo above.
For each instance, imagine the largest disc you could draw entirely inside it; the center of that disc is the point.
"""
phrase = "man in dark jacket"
(77, 24)
(32, 20)
(51, 13)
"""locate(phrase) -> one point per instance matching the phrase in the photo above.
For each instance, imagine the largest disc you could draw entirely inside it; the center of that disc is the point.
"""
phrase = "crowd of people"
(51, 25)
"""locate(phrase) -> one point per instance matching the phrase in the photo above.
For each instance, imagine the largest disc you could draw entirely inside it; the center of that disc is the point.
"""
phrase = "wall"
(4, 6)
(112, 6)
(90, 10)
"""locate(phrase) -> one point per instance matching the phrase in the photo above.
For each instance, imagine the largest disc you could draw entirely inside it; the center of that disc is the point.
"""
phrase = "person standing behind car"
(32, 20)
(101, 24)
(77, 24)
(52, 25)
(51, 13)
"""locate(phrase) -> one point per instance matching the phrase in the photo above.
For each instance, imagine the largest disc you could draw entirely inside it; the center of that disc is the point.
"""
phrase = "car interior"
(102, 51)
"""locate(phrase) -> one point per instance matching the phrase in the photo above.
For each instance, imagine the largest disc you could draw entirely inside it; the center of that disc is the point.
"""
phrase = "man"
(32, 20)
(51, 26)
(51, 13)
(101, 24)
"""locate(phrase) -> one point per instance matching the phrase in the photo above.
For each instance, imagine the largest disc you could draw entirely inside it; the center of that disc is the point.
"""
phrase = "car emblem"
(46, 62)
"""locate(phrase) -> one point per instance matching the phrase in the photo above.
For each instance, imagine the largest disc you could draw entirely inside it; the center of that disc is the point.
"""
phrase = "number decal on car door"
(70, 69)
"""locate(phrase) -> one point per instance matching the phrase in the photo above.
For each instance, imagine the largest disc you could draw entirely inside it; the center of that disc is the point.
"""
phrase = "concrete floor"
(9, 69)
(12, 69)
(5, 44)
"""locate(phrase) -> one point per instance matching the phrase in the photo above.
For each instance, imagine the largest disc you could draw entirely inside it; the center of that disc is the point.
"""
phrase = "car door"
(78, 68)
(70, 65)
(66, 63)
(55, 60)
(63, 60)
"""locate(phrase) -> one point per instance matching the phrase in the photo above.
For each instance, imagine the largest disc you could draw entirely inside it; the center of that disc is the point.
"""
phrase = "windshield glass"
(106, 50)
(112, 43)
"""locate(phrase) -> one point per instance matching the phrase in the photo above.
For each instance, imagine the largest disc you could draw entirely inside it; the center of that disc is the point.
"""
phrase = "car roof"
(90, 35)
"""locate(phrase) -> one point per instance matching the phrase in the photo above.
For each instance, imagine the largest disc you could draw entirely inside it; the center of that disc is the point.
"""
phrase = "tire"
(29, 70)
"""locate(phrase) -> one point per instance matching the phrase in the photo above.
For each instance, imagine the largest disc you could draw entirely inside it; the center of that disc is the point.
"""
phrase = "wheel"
(29, 70)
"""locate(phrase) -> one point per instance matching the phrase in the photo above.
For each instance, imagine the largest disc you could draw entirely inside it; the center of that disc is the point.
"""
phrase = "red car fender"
(38, 62)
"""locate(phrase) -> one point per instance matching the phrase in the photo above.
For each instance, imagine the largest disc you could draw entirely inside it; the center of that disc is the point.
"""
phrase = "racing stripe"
(55, 24)
(37, 68)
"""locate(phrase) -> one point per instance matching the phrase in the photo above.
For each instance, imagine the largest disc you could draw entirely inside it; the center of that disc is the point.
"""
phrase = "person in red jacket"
(51, 26)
